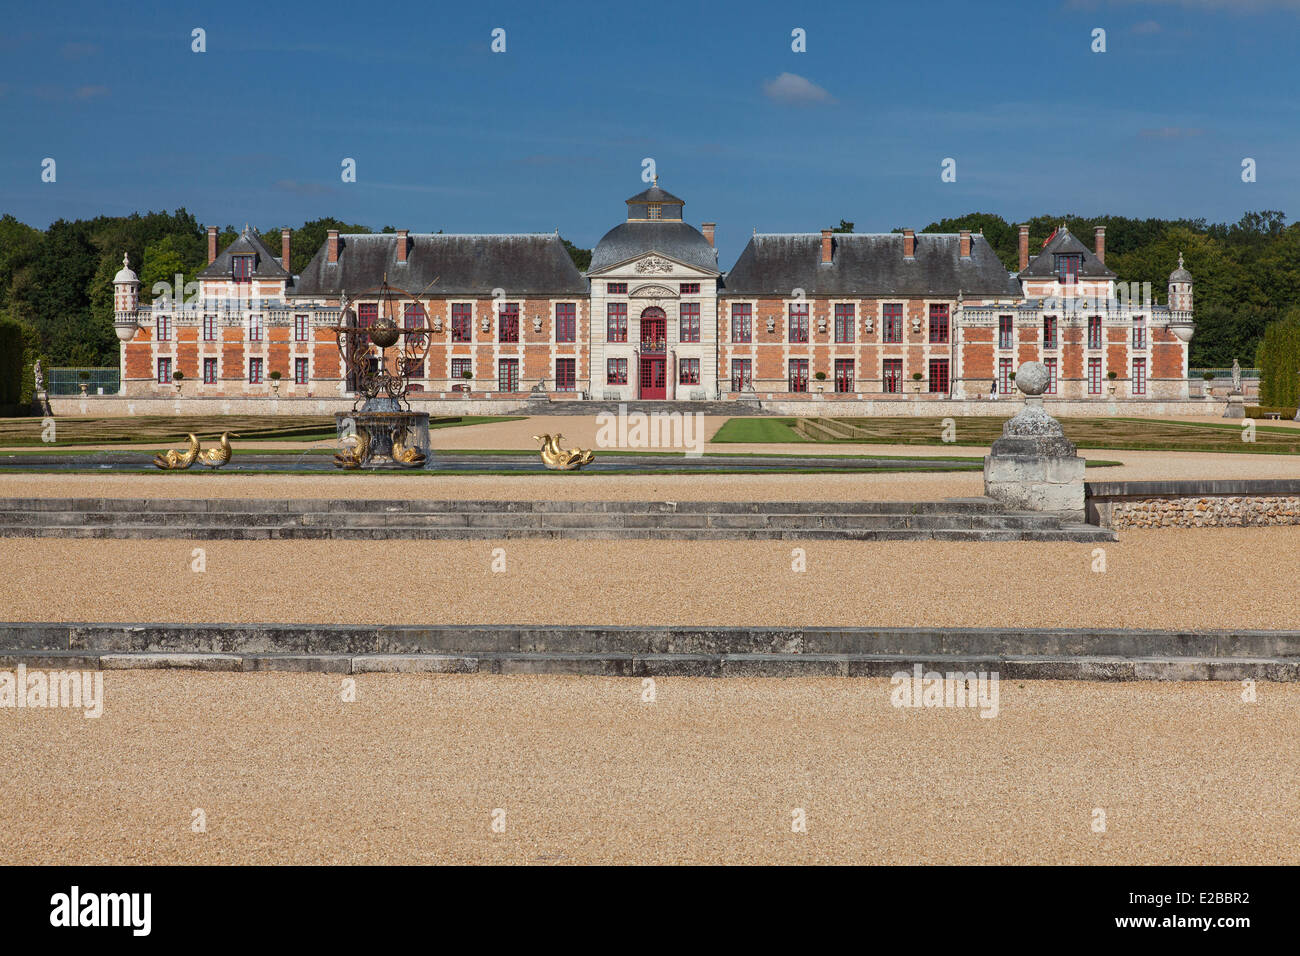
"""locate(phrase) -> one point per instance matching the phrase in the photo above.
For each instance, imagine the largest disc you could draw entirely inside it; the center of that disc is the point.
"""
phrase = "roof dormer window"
(241, 267)
(1067, 267)
(652, 210)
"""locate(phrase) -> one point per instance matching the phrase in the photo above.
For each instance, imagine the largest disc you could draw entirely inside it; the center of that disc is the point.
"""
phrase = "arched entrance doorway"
(652, 356)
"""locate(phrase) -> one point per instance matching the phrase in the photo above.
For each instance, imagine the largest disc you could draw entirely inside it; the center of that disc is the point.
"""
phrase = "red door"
(654, 354)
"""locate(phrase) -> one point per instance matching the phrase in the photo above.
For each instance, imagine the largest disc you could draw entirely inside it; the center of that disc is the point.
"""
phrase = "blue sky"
(552, 133)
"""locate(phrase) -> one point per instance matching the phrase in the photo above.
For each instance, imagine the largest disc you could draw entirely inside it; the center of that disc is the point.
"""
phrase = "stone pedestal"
(1033, 466)
(1236, 406)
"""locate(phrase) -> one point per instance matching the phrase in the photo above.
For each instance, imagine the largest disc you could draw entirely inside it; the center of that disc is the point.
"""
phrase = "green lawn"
(1139, 434)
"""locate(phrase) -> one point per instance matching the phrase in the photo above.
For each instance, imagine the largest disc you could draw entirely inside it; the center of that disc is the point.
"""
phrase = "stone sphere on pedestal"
(1032, 378)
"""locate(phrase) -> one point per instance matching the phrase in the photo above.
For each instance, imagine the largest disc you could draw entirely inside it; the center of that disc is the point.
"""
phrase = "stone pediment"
(652, 291)
(653, 265)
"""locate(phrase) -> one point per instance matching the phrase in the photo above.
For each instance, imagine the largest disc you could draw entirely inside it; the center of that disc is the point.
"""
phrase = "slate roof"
(1043, 265)
(655, 194)
(521, 263)
(868, 265)
(668, 237)
(249, 243)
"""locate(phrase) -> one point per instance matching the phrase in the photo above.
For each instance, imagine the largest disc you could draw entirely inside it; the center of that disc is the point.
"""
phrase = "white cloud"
(796, 90)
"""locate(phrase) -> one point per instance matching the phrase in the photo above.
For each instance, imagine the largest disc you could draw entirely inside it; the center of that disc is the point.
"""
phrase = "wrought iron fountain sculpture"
(381, 431)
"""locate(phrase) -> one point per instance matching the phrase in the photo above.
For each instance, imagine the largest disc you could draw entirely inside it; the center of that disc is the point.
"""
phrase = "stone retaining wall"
(1193, 504)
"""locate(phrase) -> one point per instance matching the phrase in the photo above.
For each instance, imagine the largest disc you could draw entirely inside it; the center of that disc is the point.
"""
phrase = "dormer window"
(1067, 267)
(241, 267)
(652, 210)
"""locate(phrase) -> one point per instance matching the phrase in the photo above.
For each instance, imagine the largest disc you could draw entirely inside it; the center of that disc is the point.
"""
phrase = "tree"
(1278, 361)
(844, 226)
(581, 257)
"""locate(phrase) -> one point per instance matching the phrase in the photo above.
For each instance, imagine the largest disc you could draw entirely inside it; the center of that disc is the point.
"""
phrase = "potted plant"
(85, 381)
(916, 378)
(177, 377)
(1208, 377)
(1112, 375)
(275, 381)
(821, 377)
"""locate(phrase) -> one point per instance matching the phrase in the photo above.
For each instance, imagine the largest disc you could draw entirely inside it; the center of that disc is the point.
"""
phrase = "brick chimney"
(284, 251)
(401, 245)
(212, 244)
(1099, 243)
(707, 228)
(965, 243)
(826, 247)
(332, 254)
(1024, 248)
(909, 244)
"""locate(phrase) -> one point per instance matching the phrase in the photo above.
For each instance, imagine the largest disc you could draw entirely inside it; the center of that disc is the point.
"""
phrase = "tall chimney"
(1099, 243)
(1024, 248)
(332, 255)
(909, 244)
(284, 251)
(707, 228)
(826, 246)
(401, 245)
(965, 243)
(212, 244)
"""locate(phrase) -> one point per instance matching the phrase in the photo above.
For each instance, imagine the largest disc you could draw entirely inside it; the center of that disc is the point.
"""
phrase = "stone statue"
(1236, 376)
(36, 373)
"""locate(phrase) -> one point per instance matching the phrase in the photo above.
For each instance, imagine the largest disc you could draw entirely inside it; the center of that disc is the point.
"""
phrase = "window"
(413, 318)
(255, 371)
(1006, 331)
(1049, 332)
(742, 375)
(844, 375)
(462, 369)
(461, 321)
(1004, 376)
(844, 320)
(939, 325)
(689, 288)
(1067, 268)
(892, 374)
(508, 325)
(209, 328)
(1139, 376)
(798, 375)
(616, 322)
(799, 322)
(939, 375)
(690, 321)
(892, 324)
(300, 371)
(1094, 376)
(413, 368)
(616, 371)
(690, 371)
(254, 328)
(163, 328)
(742, 322)
(164, 371)
(1094, 331)
(616, 288)
(241, 267)
(566, 322)
(209, 371)
(652, 210)
(367, 314)
(565, 374)
(508, 375)
(1051, 376)
(300, 328)
(1139, 333)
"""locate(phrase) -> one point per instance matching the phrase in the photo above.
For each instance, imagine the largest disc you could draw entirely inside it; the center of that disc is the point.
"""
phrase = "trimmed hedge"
(13, 343)
(1259, 411)
(1278, 359)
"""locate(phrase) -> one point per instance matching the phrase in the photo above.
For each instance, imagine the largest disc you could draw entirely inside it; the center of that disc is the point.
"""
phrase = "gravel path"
(1195, 578)
(710, 772)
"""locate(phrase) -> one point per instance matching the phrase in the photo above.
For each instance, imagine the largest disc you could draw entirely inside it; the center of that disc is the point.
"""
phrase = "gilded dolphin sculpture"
(410, 457)
(173, 460)
(558, 459)
(218, 456)
(353, 457)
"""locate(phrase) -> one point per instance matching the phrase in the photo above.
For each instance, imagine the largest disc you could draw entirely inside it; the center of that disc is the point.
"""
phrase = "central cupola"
(653, 205)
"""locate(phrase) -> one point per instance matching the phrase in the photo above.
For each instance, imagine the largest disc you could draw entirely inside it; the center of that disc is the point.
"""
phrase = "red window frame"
(300, 327)
(459, 366)
(209, 371)
(1049, 332)
(367, 314)
(507, 375)
(1006, 331)
(616, 322)
(164, 371)
(798, 375)
(689, 288)
(616, 371)
(939, 375)
(1139, 333)
(845, 319)
(616, 288)
(1139, 376)
(1005, 368)
(566, 374)
(508, 323)
(939, 324)
(462, 321)
(1094, 376)
(688, 370)
(566, 322)
(891, 375)
(1094, 331)
(300, 371)
(1067, 268)
(798, 324)
(1051, 376)
(209, 328)
(241, 268)
(163, 328)
(254, 371)
(844, 375)
(742, 374)
(689, 322)
(255, 328)
(891, 323)
(742, 322)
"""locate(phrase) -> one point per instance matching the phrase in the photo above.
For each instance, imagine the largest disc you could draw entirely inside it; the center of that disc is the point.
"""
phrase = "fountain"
(383, 432)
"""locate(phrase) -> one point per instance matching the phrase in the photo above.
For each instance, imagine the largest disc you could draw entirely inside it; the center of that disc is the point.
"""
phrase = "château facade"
(803, 315)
